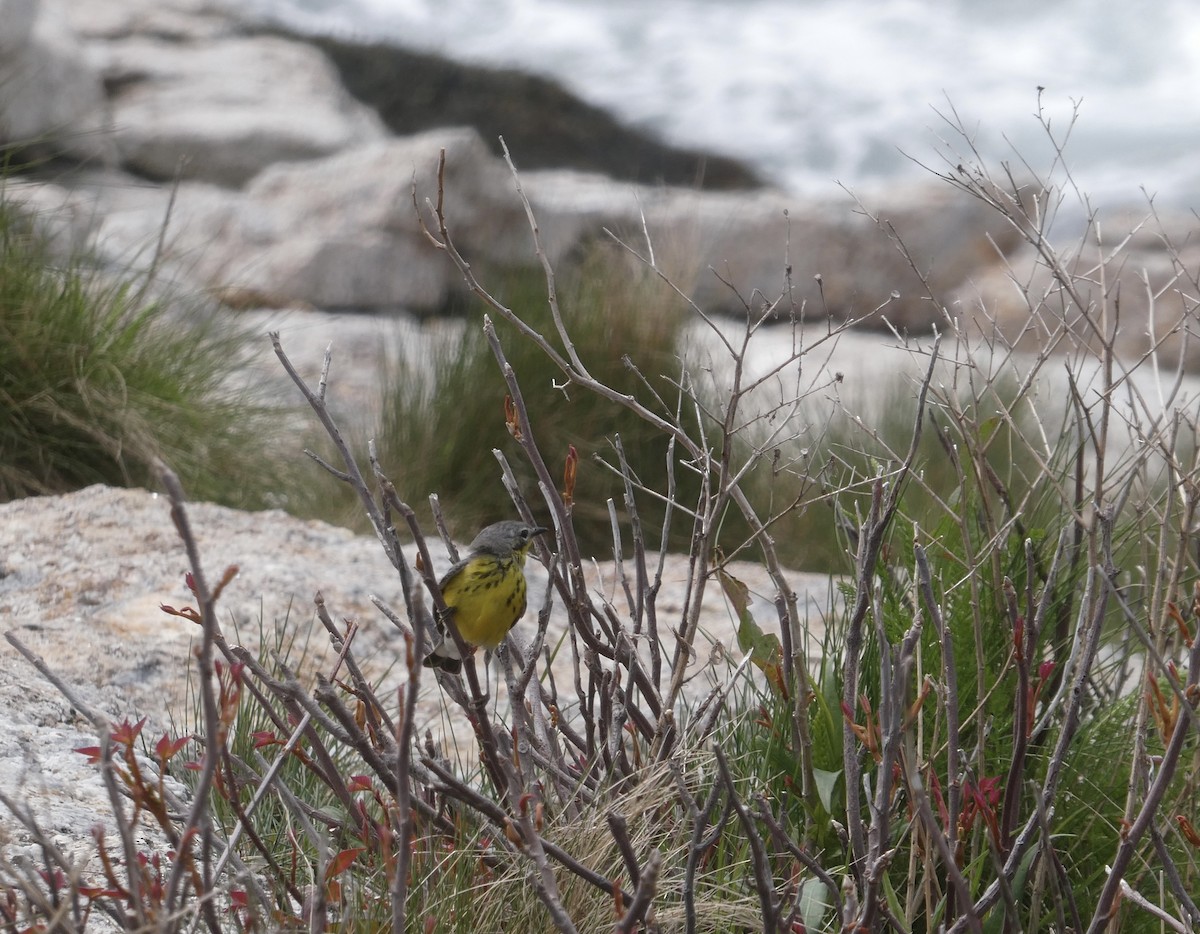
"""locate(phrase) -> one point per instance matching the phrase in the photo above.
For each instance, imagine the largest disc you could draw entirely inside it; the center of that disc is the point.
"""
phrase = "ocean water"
(861, 93)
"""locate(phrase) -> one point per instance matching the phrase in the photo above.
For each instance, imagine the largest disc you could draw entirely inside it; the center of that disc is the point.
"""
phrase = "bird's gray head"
(504, 538)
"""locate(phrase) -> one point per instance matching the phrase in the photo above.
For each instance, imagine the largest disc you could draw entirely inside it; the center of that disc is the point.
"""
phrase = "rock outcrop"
(1147, 282)
(51, 100)
(224, 109)
(82, 580)
(245, 168)
(548, 126)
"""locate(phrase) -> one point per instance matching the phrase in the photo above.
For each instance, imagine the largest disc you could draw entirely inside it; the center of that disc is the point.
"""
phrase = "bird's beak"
(538, 531)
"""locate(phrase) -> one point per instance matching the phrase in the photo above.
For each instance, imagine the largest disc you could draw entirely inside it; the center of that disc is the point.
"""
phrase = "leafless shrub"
(933, 762)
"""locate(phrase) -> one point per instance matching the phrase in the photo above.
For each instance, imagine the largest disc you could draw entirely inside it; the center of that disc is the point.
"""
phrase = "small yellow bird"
(485, 591)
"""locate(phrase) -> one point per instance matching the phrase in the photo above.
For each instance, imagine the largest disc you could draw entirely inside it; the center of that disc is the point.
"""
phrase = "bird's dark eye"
(524, 535)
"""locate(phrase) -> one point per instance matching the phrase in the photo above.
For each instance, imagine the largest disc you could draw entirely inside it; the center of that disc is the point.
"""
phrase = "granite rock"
(52, 99)
(83, 578)
(224, 109)
(291, 189)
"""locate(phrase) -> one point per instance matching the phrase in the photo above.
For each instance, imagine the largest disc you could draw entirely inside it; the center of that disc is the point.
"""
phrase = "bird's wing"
(455, 569)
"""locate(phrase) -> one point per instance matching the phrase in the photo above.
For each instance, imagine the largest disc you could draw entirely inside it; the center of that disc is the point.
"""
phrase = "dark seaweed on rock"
(544, 125)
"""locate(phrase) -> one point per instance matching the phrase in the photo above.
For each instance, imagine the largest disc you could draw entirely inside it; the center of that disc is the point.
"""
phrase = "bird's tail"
(445, 657)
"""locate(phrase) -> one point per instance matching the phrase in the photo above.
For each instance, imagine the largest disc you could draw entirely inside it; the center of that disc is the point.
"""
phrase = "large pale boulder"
(342, 232)
(64, 217)
(141, 223)
(1143, 281)
(223, 109)
(334, 233)
(50, 95)
(84, 575)
(82, 578)
(16, 23)
(177, 20)
(721, 248)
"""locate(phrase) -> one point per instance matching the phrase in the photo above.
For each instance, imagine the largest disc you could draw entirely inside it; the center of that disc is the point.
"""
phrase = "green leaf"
(893, 900)
(816, 904)
(826, 782)
(764, 648)
(996, 921)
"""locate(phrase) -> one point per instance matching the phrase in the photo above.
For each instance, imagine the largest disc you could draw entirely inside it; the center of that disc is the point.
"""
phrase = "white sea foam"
(812, 91)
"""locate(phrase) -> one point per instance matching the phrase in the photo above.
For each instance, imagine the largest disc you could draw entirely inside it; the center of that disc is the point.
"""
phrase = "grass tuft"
(97, 381)
(443, 419)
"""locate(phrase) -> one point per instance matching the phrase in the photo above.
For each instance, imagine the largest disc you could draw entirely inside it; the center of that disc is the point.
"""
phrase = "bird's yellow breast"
(487, 597)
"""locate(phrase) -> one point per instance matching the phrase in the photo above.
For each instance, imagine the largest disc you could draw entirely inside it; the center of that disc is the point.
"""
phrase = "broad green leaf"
(816, 904)
(826, 782)
(764, 648)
